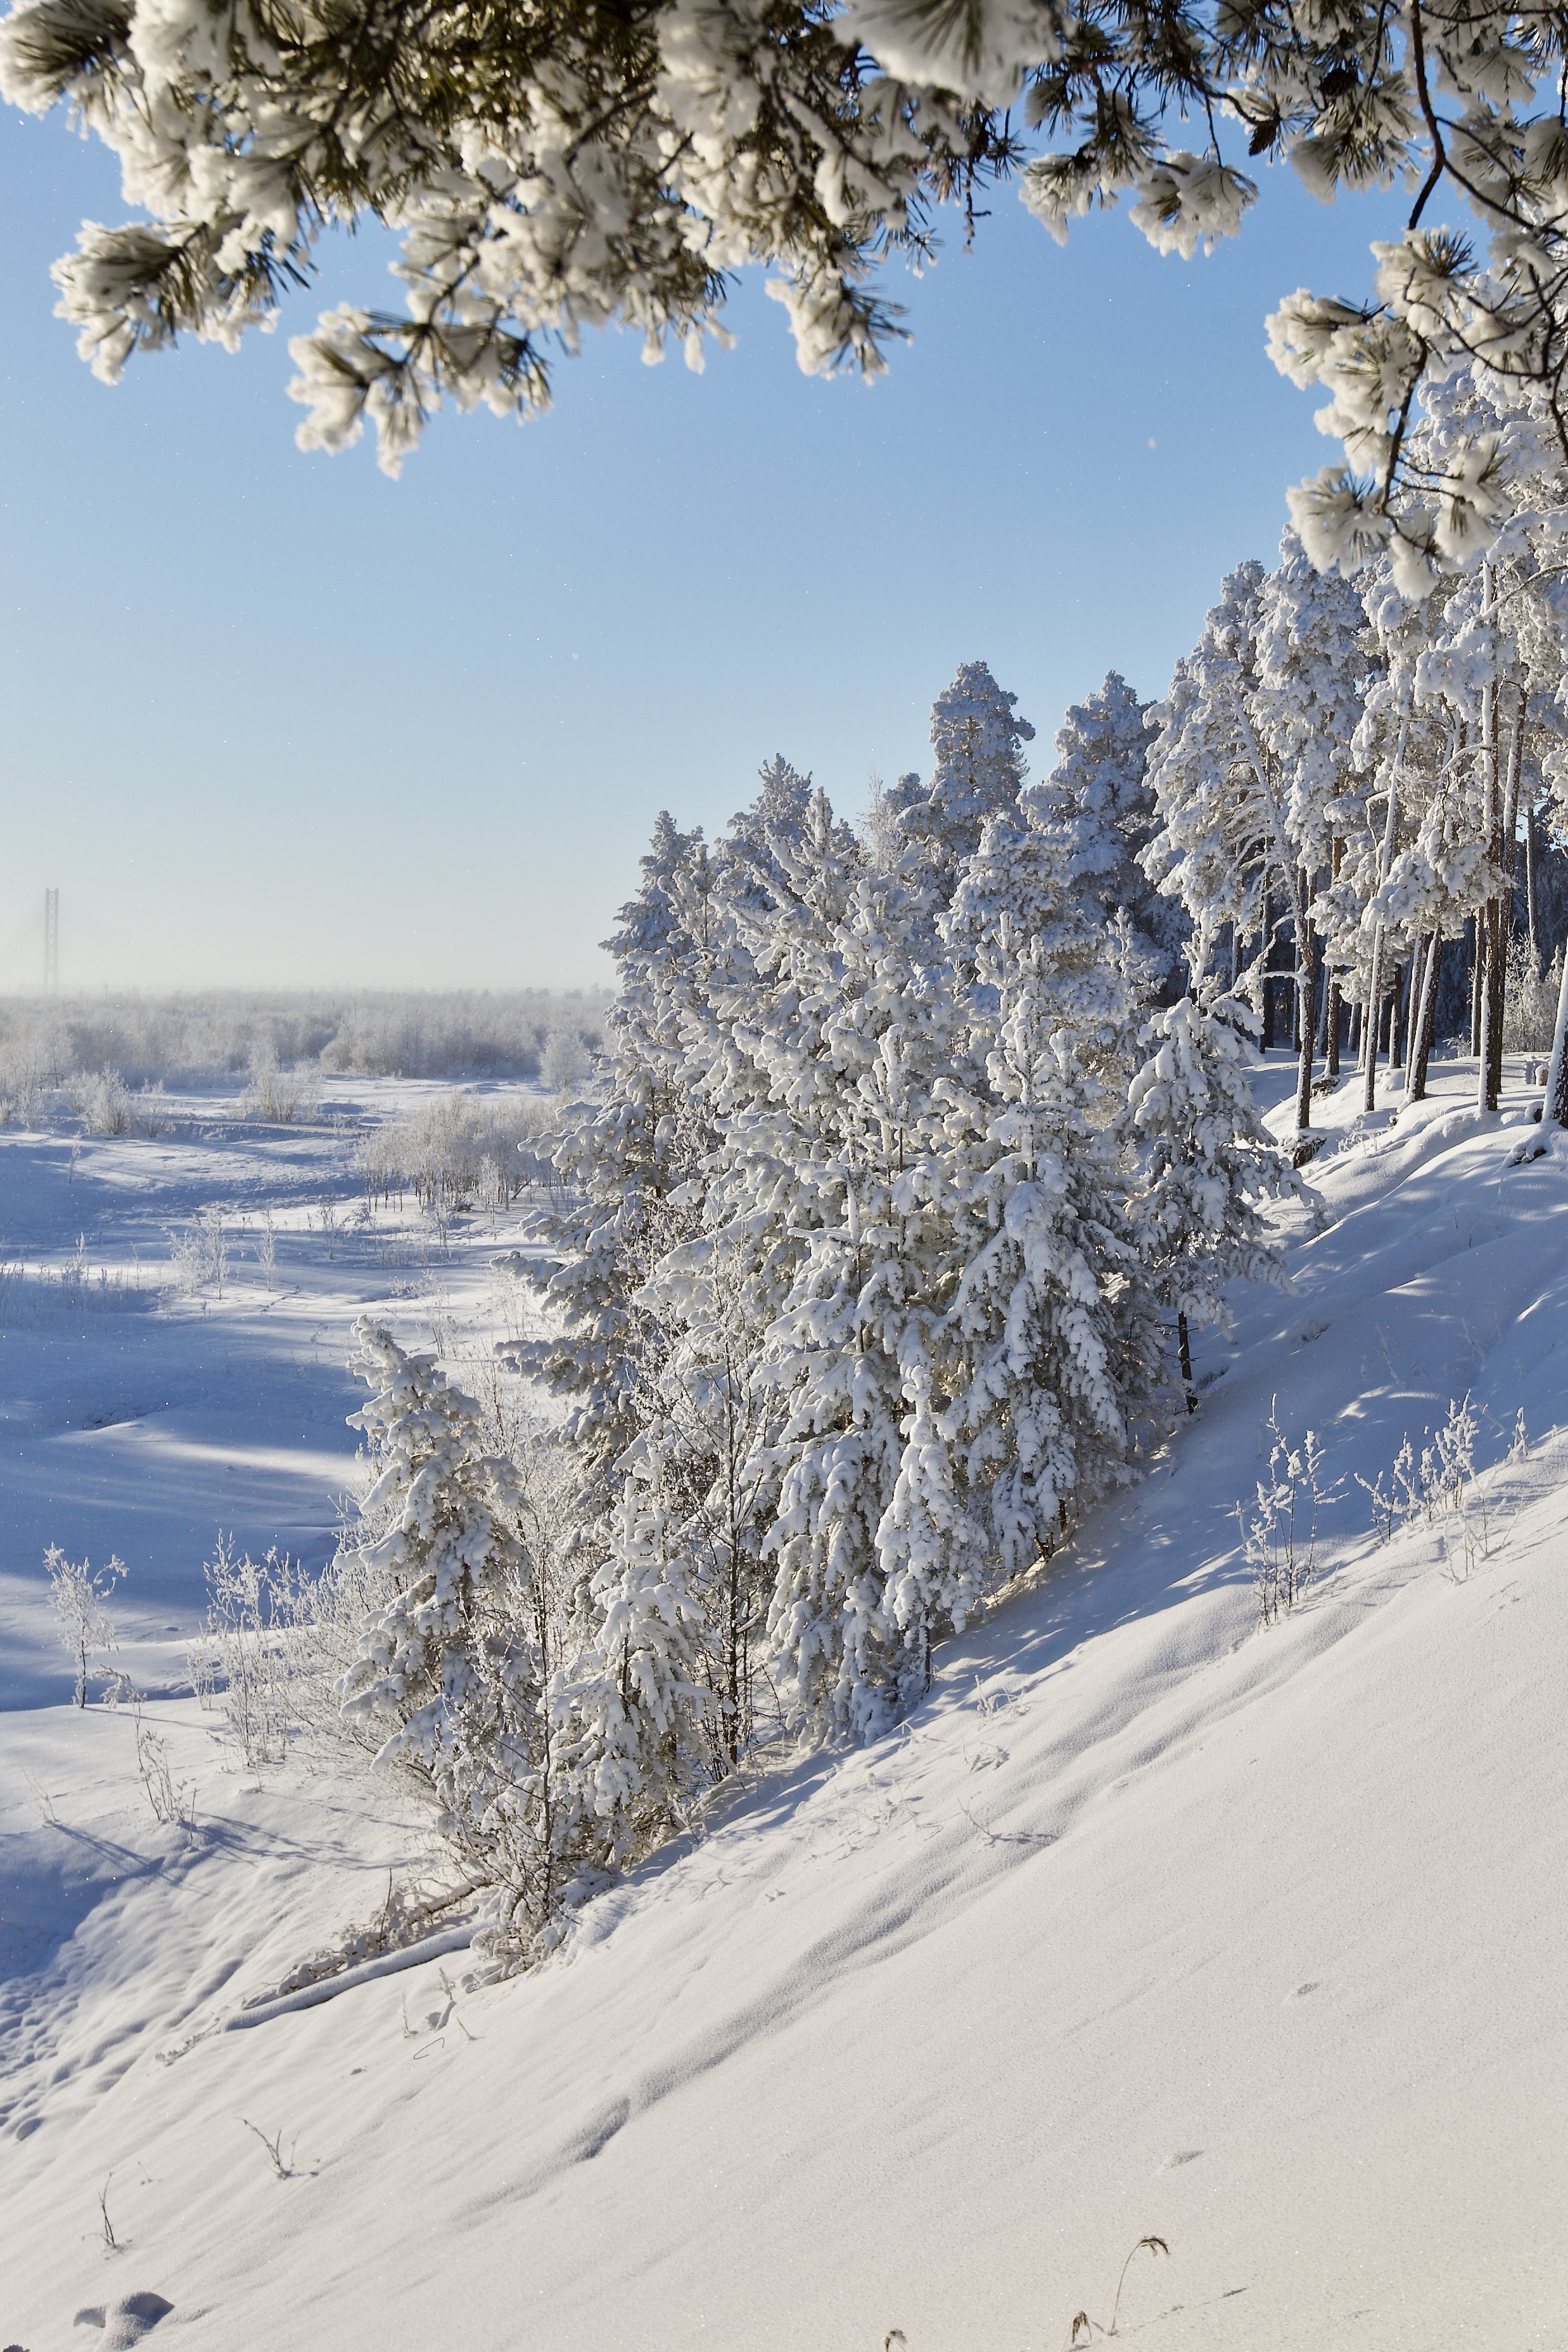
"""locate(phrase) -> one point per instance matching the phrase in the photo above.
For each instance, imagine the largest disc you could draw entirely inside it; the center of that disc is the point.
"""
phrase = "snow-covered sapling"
(77, 1594)
(174, 1805)
(1281, 1535)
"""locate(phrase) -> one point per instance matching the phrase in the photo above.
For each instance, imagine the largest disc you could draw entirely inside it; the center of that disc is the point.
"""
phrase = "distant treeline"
(190, 1040)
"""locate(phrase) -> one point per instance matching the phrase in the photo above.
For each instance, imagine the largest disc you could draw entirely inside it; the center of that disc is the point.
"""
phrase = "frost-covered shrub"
(276, 1097)
(101, 1100)
(1530, 1008)
(458, 1149)
(565, 1061)
(245, 1653)
(78, 1592)
(150, 1110)
(198, 1253)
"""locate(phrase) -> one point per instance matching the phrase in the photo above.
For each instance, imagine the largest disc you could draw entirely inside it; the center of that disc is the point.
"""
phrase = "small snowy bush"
(276, 1097)
(458, 1149)
(101, 1100)
(198, 1253)
(1280, 1535)
(244, 1651)
(1530, 1008)
(77, 1594)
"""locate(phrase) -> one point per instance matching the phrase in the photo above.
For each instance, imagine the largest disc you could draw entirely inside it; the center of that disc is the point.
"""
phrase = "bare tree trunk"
(1356, 1026)
(1185, 1348)
(1427, 1022)
(1530, 880)
(1330, 1026)
(1488, 924)
(1555, 1110)
(1268, 1032)
(1506, 849)
(1375, 981)
(1306, 973)
(1476, 985)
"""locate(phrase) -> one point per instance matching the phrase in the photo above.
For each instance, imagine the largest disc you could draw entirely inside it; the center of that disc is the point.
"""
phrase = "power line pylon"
(51, 943)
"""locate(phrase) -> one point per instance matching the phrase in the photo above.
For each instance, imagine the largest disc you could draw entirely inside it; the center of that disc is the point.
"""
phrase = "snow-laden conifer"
(627, 1715)
(838, 1054)
(979, 772)
(1049, 1340)
(455, 1661)
(1205, 1161)
(627, 1161)
(1098, 800)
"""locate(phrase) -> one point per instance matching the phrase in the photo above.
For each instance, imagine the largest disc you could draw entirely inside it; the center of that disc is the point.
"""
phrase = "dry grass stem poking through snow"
(1087, 2328)
(274, 2148)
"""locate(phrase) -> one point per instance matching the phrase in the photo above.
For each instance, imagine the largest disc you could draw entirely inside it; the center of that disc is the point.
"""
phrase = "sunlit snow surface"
(1146, 1921)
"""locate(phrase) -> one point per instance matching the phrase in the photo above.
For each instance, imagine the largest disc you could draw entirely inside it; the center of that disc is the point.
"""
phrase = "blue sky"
(275, 719)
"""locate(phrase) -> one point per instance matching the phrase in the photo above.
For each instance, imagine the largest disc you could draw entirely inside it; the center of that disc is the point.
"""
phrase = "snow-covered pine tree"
(629, 1161)
(1313, 661)
(1049, 1341)
(454, 1663)
(979, 772)
(1205, 1161)
(629, 1714)
(1242, 778)
(827, 1123)
(1097, 797)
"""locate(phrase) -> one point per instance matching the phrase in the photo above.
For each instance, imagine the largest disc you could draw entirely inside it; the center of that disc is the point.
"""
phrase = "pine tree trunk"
(1475, 960)
(1330, 1027)
(1354, 1048)
(1372, 1022)
(1555, 1110)
(1500, 998)
(1268, 1035)
(1427, 1019)
(1186, 1352)
(1396, 1022)
(1306, 975)
(1530, 881)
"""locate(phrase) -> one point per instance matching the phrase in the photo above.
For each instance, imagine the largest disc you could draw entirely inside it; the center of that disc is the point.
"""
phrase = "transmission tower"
(51, 943)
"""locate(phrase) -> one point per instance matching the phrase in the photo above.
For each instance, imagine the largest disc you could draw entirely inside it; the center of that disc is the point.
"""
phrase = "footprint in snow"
(124, 2322)
(1179, 2157)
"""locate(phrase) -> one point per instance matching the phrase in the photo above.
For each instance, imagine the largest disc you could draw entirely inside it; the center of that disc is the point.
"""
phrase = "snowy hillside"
(1148, 1920)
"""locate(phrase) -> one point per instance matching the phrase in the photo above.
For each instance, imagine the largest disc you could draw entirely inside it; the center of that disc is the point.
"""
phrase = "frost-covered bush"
(276, 1097)
(247, 1653)
(101, 1100)
(78, 1592)
(565, 1061)
(458, 1150)
(1530, 1010)
(198, 1253)
(150, 1110)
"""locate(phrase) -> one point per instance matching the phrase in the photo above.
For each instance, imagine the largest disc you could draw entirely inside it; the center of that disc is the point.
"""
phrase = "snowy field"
(1149, 1921)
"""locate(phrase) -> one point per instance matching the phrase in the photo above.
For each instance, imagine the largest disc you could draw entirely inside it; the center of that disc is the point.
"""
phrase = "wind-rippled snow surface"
(1146, 1921)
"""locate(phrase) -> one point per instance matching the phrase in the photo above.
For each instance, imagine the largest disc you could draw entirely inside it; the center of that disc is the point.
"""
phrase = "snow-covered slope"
(1147, 1921)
